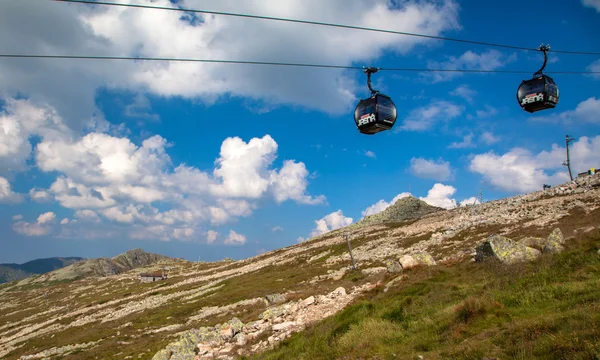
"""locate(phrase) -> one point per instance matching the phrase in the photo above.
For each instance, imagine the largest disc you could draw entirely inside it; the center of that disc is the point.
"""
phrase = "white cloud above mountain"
(60, 28)
(519, 170)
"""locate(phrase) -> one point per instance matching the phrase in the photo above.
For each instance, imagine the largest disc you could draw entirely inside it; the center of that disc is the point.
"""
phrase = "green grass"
(546, 309)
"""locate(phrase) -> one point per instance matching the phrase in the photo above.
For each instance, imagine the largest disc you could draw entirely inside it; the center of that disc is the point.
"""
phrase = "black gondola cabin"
(375, 114)
(537, 94)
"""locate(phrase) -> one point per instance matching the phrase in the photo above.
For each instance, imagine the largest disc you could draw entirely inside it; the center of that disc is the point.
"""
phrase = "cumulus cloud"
(467, 142)
(441, 195)
(120, 181)
(6, 193)
(519, 170)
(42, 226)
(382, 205)
(594, 4)
(489, 138)
(277, 228)
(371, 154)
(426, 117)
(60, 28)
(470, 60)
(211, 236)
(586, 111)
(595, 66)
(431, 169)
(235, 238)
(333, 221)
(465, 92)
(141, 108)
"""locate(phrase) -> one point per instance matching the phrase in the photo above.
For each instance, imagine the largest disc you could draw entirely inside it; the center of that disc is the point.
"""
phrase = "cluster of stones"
(276, 323)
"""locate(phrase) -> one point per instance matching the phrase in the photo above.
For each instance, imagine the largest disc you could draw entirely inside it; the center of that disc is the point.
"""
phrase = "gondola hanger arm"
(369, 71)
(544, 49)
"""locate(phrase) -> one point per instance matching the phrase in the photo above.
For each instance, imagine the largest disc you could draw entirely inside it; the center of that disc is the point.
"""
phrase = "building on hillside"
(154, 276)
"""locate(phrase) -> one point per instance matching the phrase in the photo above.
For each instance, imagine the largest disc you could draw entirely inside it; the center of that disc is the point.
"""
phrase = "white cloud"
(333, 221)
(369, 153)
(490, 60)
(17, 217)
(440, 195)
(488, 112)
(277, 228)
(466, 143)
(6, 193)
(64, 221)
(39, 195)
(43, 225)
(489, 138)
(46, 217)
(60, 28)
(595, 66)
(382, 205)
(120, 181)
(470, 201)
(235, 238)
(521, 171)
(595, 4)
(431, 169)
(141, 108)
(586, 111)
(19, 120)
(211, 236)
(426, 117)
(465, 92)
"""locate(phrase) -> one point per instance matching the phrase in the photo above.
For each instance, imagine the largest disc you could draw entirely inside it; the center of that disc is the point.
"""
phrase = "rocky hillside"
(103, 267)
(247, 308)
(12, 272)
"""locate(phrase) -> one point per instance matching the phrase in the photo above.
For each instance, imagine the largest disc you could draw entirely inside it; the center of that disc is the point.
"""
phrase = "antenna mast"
(347, 237)
(567, 163)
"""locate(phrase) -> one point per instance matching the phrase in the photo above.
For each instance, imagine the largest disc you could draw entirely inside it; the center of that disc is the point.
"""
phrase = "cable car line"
(272, 63)
(272, 18)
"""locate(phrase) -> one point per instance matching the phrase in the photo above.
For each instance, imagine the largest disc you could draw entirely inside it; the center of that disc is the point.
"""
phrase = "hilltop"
(103, 267)
(404, 209)
(12, 272)
(515, 277)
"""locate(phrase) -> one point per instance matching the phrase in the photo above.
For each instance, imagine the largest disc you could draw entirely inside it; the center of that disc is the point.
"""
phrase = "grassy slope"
(547, 309)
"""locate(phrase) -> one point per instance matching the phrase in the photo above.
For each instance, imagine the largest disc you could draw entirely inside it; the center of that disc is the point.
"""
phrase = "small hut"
(153, 276)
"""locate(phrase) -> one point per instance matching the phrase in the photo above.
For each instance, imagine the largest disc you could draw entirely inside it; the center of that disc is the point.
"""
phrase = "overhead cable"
(272, 63)
(140, 6)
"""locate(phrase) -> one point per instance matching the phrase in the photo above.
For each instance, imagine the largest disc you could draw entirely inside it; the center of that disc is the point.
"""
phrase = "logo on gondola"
(365, 119)
(531, 98)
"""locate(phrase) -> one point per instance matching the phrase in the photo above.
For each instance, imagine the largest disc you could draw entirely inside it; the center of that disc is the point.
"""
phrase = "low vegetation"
(546, 309)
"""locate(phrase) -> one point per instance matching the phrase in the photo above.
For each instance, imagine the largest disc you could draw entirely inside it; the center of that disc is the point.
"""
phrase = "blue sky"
(211, 161)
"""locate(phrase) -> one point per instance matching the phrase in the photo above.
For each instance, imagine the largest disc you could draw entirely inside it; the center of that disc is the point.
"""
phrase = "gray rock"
(393, 266)
(408, 262)
(274, 299)
(505, 250)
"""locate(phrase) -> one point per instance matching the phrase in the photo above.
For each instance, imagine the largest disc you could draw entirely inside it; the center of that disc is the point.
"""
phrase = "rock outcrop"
(408, 208)
(505, 250)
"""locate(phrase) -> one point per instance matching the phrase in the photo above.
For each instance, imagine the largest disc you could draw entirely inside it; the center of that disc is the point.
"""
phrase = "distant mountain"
(101, 267)
(12, 272)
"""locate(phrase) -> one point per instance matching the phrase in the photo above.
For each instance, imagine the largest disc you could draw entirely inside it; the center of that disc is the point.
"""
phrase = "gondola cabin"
(539, 93)
(375, 114)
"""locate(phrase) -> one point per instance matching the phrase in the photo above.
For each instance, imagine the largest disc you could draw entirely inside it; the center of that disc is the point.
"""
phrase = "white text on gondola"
(532, 98)
(366, 119)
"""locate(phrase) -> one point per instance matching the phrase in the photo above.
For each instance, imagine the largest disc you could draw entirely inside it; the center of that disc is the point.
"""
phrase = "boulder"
(307, 302)
(424, 258)
(505, 250)
(273, 312)
(274, 299)
(408, 262)
(393, 266)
